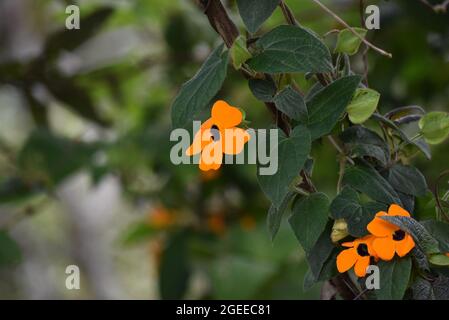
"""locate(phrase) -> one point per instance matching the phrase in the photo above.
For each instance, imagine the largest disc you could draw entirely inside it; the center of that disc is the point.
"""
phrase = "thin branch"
(438, 8)
(339, 149)
(341, 172)
(336, 17)
(288, 14)
(365, 51)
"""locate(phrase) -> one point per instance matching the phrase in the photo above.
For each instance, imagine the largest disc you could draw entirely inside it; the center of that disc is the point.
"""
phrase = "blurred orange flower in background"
(161, 217)
(218, 135)
(216, 223)
(248, 222)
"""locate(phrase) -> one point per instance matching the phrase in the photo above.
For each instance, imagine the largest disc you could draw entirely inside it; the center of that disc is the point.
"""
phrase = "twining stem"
(442, 7)
(339, 149)
(341, 172)
(369, 44)
(288, 14)
(365, 51)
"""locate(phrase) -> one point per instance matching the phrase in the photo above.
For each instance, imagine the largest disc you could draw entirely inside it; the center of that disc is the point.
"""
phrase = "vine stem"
(288, 14)
(342, 283)
(341, 172)
(442, 7)
(369, 44)
(339, 149)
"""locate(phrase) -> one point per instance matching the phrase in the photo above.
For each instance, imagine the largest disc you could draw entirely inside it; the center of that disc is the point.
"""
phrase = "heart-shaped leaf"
(291, 49)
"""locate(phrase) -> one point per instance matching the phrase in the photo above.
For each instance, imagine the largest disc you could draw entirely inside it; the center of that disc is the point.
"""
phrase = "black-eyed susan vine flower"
(219, 135)
(385, 240)
(359, 255)
(390, 239)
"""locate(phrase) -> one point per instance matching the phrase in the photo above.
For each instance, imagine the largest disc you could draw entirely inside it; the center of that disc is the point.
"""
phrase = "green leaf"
(255, 12)
(274, 216)
(421, 145)
(174, 268)
(394, 278)
(365, 179)
(440, 231)
(348, 42)
(321, 257)
(363, 104)
(422, 290)
(421, 236)
(420, 258)
(137, 233)
(309, 219)
(435, 126)
(292, 154)
(363, 142)
(439, 260)
(408, 180)
(291, 49)
(291, 103)
(196, 93)
(264, 90)
(328, 105)
(347, 206)
(77, 98)
(438, 289)
(425, 207)
(9, 250)
(239, 52)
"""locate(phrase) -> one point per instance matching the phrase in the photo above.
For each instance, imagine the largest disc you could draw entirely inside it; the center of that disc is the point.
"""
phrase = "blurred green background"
(85, 174)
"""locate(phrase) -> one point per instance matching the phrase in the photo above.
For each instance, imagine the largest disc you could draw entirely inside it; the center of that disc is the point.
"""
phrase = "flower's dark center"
(215, 133)
(398, 235)
(362, 250)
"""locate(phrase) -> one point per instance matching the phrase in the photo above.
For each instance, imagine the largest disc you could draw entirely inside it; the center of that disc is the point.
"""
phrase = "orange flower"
(390, 239)
(358, 255)
(447, 254)
(248, 222)
(216, 223)
(219, 135)
(161, 218)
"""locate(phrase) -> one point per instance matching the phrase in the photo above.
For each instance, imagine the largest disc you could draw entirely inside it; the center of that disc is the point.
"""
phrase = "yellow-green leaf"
(439, 260)
(239, 52)
(348, 42)
(435, 126)
(363, 104)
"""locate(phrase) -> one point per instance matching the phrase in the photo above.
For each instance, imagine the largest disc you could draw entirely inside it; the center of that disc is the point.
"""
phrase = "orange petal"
(361, 265)
(211, 157)
(405, 245)
(447, 254)
(384, 247)
(348, 244)
(226, 116)
(234, 140)
(379, 227)
(346, 259)
(396, 210)
(201, 139)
